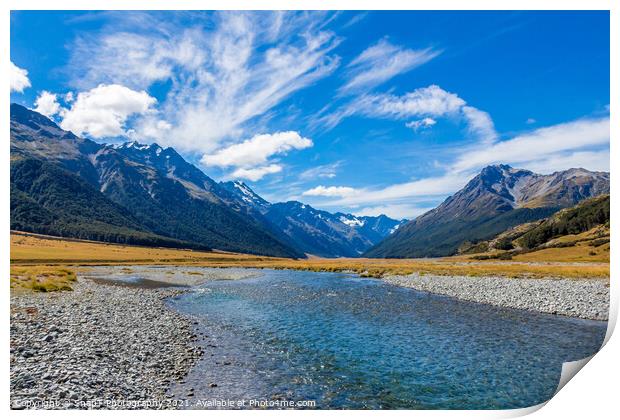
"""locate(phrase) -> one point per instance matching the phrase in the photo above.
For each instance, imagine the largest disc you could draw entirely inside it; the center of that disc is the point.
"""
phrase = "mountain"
(160, 193)
(50, 200)
(315, 232)
(147, 194)
(497, 199)
(584, 227)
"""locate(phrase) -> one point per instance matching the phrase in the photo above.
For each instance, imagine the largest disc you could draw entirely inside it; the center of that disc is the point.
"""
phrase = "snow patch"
(353, 221)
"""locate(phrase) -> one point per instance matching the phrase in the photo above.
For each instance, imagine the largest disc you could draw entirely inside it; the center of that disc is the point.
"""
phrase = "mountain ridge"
(173, 198)
(496, 199)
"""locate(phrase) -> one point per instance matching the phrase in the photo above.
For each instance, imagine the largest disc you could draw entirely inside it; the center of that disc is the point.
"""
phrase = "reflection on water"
(348, 342)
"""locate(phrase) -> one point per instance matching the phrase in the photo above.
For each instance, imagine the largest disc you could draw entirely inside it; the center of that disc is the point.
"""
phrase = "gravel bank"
(100, 342)
(577, 298)
(166, 275)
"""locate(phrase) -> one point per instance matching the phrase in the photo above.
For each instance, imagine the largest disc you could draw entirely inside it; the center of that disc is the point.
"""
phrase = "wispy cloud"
(18, 78)
(426, 102)
(420, 124)
(381, 62)
(580, 143)
(539, 145)
(321, 171)
(222, 74)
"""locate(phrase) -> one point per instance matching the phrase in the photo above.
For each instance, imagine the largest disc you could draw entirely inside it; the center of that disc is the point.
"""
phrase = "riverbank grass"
(42, 278)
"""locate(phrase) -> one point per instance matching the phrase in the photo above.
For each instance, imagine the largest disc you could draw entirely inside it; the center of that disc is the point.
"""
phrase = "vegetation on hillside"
(441, 239)
(578, 219)
(584, 226)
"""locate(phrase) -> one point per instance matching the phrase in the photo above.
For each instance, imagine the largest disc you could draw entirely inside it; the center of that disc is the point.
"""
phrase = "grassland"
(36, 251)
(41, 278)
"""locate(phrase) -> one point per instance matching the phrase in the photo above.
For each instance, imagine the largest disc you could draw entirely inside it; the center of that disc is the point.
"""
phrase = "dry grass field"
(37, 251)
(41, 278)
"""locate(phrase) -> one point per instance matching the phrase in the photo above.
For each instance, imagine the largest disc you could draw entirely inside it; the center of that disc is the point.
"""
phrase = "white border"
(593, 394)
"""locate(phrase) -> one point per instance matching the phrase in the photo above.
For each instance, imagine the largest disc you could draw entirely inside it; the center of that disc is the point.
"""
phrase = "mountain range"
(133, 193)
(498, 198)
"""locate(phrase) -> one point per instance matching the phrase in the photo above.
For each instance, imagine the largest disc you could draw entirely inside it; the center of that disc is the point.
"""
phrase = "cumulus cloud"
(381, 62)
(255, 174)
(322, 191)
(257, 150)
(222, 76)
(47, 104)
(251, 157)
(103, 111)
(420, 124)
(19, 78)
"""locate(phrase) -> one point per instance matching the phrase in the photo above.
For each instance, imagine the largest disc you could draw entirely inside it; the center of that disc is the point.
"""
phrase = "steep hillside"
(499, 198)
(50, 200)
(583, 228)
(169, 196)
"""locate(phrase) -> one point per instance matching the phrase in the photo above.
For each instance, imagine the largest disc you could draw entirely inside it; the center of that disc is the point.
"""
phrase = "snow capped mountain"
(350, 220)
(242, 191)
(175, 199)
(314, 231)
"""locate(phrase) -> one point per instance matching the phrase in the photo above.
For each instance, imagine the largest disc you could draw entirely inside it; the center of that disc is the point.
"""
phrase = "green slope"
(50, 200)
(441, 239)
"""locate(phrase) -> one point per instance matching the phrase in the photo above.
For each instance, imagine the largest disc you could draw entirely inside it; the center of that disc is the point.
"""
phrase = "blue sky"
(363, 112)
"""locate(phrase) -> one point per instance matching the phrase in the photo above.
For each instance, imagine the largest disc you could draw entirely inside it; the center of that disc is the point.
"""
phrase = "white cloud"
(321, 171)
(425, 187)
(255, 174)
(479, 123)
(257, 150)
(223, 75)
(69, 97)
(104, 110)
(591, 160)
(382, 62)
(530, 121)
(431, 100)
(538, 145)
(582, 143)
(427, 102)
(322, 191)
(19, 78)
(395, 211)
(47, 104)
(420, 124)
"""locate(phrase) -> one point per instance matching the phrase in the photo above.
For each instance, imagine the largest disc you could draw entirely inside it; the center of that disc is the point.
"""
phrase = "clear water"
(348, 342)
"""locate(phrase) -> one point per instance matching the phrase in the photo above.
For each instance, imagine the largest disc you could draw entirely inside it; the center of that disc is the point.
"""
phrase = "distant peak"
(30, 118)
(134, 144)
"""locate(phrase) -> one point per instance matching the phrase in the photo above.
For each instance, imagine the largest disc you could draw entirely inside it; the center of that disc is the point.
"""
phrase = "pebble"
(99, 341)
(580, 298)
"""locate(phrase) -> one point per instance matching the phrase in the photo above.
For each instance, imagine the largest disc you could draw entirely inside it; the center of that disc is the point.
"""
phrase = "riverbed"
(200, 337)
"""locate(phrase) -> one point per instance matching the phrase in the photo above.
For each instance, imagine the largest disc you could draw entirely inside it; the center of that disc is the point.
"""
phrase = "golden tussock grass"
(30, 250)
(42, 278)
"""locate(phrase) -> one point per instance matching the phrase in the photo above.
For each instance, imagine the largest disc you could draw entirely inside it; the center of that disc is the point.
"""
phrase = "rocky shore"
(587, 299)
(99, 346)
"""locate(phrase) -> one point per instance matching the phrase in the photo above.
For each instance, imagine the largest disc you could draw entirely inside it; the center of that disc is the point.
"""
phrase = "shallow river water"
(348, 342)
